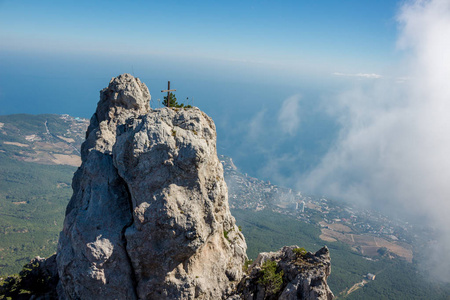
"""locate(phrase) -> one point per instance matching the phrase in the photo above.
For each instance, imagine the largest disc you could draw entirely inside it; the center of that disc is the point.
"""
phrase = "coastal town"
(367, 231)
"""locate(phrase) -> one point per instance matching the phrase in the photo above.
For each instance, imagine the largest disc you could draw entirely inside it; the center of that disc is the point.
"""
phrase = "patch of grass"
(247, 263)
(300, 251)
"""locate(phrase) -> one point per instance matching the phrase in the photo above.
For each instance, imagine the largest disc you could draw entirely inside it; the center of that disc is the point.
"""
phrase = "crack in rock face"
(149, 215)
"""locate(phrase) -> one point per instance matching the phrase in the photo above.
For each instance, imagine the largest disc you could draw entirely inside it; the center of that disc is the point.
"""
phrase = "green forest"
(33, 198)
(396, 279)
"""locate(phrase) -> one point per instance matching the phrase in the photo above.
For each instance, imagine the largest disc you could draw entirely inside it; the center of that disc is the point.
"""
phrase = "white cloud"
(288, 115)
(360, 75)
(394, 147)
(255, 128)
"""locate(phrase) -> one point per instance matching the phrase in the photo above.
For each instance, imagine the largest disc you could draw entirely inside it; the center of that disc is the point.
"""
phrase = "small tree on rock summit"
(173, 102)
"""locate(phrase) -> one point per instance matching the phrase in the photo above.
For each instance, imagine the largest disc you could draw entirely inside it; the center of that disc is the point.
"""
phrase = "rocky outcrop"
(92, 257)
(37, 280)
(296, 274)
(149, 216)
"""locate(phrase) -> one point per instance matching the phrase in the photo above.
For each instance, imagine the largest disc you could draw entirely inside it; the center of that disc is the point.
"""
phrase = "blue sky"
(237, 59)
(241, 61)
(263, 51)
(343, 36)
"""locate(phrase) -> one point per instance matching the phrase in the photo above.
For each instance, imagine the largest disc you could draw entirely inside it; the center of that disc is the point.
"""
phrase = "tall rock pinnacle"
(149, 215)
(125, 98)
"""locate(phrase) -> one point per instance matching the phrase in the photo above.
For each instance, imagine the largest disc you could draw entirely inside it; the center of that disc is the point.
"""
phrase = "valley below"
(39, 154)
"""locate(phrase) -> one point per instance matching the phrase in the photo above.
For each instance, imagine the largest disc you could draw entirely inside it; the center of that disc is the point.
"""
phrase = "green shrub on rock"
(271, 280)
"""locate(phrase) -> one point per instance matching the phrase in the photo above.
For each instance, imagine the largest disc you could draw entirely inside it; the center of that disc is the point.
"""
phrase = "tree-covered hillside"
(33, 198)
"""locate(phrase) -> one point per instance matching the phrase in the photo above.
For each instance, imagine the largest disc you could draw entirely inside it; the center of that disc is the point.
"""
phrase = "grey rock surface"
(149, 216)
(304, 276)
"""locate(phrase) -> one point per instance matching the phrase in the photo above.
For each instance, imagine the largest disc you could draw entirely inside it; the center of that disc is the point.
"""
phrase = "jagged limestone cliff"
(149, 216)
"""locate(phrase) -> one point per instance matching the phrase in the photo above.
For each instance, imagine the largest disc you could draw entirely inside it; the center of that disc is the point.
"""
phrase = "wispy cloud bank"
(393, 149)
(360, 75)
(255, 127)
(289, 115)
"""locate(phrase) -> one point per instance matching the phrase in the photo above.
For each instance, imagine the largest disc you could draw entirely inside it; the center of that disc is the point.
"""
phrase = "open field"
(44, 139)
(368, 245)
(16, 144)
(327, 238)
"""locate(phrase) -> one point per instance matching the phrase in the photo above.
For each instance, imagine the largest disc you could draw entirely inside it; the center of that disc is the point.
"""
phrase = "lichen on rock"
(304, 276)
